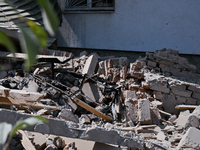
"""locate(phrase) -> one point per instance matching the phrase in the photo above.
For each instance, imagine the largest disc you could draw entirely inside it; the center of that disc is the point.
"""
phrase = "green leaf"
(30, 45)
(5, 129)
(7, 42)
(40, 33)
(25, 123)
(50, 19)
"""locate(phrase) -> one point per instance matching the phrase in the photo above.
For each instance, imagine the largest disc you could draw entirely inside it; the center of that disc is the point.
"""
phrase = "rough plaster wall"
(136, 25)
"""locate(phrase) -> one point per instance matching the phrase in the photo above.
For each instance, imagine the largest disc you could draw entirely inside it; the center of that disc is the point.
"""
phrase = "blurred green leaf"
(7, 42)
(30, 45)
(25, 123)
(5, 129)
(39, 32)
(50, 19)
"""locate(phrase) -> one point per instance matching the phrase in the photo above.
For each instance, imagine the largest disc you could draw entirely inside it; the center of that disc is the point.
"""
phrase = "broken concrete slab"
(182, 118)
(194, 119)
(90, 65)
(18, 97)
(91, 92)
(73, 130)
(144, 115)
(190, 139)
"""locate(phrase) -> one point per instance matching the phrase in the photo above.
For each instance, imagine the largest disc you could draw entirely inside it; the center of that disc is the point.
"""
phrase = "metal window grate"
(89, 3)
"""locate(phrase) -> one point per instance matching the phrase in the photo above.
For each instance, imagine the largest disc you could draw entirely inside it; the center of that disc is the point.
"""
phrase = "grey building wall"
(136, 25)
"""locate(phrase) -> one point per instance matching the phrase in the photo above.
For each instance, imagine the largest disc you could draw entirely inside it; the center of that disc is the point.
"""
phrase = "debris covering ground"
(152, 103)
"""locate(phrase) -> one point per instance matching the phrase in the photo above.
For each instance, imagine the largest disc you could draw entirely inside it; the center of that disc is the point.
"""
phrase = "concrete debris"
(151, 103)
(190, 139)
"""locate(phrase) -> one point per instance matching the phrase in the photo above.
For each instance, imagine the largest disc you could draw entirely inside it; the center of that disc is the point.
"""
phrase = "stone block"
(90, 65)
(157, 82)
(162, 87)
(194, 88)
(178, 90)
(151, 64)
(172, 57)
(169, 103)
(91, 92)
(196, 95)
(191, 101)
(181, 100)
(190, 139)
(68, 115)
(144, 114)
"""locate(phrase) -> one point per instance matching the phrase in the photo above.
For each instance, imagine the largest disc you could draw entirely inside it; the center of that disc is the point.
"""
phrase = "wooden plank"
(26, 143)
(165, 113)
(183, 107)
(92, 110)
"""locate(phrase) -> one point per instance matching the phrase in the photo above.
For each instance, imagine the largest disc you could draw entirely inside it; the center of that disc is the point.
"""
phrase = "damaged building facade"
(107, 102)
(131, 25)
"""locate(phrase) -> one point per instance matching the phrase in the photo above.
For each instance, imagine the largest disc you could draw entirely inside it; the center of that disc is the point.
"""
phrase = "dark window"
(85, 5)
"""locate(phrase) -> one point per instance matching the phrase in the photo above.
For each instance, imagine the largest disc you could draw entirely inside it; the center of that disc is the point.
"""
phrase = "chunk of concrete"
(144, 115)
(68, 115)
(169, 103)
(90, 65)
(182, 118)
(190, 139)
(194, 119)
(91, 92)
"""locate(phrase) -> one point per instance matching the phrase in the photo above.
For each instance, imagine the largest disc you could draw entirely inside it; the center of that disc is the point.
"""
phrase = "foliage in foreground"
(7, 131)
(34, 37)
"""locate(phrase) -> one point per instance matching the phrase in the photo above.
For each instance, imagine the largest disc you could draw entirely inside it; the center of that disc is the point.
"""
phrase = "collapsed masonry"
(147, 104)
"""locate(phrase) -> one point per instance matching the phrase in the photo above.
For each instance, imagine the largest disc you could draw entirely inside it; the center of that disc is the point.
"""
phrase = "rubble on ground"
(152, 103)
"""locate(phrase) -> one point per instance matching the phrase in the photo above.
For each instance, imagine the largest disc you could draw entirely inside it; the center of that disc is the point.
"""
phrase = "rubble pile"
(152, 103)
